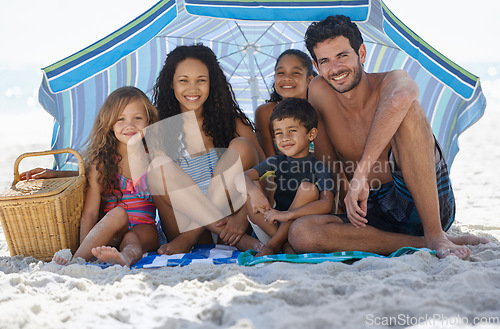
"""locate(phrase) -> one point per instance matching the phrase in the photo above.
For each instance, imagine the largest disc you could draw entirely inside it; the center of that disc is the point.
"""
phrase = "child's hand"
(38, 173)
(273, 216)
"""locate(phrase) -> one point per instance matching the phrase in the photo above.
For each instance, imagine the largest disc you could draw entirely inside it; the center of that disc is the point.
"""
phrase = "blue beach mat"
(201, 254)
(222, 254)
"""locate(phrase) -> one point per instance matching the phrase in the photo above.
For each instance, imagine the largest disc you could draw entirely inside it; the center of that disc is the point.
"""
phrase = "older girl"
(292, 74)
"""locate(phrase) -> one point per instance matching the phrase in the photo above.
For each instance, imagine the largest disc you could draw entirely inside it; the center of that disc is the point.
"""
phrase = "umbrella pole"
(254, 86)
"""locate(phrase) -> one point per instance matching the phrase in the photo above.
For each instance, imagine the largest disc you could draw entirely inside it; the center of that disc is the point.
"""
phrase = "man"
(376, 138)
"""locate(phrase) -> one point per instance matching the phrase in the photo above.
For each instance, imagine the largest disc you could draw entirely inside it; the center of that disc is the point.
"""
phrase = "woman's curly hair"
(220, 110)
(101, 146)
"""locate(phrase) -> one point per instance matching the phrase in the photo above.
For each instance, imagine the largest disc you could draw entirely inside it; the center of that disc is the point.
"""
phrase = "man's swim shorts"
(391, 206)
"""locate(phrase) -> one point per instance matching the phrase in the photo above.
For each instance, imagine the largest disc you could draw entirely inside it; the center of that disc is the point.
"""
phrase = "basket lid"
(37, 188)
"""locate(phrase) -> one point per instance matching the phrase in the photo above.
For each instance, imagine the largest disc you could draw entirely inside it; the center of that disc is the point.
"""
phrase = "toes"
(483, 240)
(460, 252)
(162, 250)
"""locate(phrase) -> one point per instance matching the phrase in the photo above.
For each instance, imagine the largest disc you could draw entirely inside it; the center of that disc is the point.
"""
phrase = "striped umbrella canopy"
(247, 37)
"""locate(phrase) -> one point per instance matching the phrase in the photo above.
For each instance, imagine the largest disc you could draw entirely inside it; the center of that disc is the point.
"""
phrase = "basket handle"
(81, 167)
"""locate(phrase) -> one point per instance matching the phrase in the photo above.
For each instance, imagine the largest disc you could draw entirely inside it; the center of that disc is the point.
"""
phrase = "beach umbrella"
(247, 37)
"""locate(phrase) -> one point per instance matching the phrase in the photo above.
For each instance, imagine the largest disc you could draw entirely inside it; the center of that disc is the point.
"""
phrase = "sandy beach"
(418, 291)
(413, 291)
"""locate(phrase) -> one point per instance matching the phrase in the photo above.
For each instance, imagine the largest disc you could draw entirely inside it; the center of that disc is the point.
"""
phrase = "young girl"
(192, 82)
(129, 213)
(292, 74)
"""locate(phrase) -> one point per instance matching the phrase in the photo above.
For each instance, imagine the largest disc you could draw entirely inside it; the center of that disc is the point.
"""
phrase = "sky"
(35, 34)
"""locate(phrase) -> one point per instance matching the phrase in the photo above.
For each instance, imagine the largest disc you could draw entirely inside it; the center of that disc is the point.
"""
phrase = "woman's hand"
(259, 203)
(234, 228)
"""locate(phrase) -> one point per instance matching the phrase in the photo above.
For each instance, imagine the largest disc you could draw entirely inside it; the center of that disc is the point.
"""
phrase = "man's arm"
(397, 93)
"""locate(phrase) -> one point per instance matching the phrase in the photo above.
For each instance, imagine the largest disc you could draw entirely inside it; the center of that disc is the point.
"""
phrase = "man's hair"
(330, 28)
(298, 109)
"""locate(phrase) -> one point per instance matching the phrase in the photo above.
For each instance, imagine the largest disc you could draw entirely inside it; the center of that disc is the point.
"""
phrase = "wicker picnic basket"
(40, 217)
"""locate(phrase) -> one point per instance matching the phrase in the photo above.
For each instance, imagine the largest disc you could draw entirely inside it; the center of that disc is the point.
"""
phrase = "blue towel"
(201, 254)
(222, 254)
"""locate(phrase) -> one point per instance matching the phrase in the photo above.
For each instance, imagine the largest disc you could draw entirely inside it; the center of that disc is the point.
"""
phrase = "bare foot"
(60, 260)
(288, 249)
(62, 257)
(445, 247)
(176, 246)
(247, 242)
(110, 255)
(467, 239)
(266, 250)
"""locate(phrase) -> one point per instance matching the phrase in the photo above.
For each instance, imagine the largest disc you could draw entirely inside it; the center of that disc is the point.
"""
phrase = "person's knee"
(239, 144)
(245, 149)
(299, 235)
(117, 218)
(308, 191)
(415, 125)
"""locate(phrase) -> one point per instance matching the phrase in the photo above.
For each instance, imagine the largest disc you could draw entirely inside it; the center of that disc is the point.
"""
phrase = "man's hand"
(356, 200)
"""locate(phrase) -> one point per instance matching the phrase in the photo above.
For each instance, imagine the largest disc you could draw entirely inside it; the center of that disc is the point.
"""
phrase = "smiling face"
(339, 64)
(131, 121)
(292, 138)
(290, 77)
(191, 84)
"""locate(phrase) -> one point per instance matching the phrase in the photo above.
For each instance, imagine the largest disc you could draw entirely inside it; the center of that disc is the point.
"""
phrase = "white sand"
(418, 290)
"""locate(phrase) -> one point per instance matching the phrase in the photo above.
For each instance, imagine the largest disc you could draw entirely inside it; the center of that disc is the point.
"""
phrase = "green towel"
(248, 258)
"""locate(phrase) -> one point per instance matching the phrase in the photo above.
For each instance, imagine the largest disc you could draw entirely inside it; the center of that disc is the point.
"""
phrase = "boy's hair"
(298, 109)
(330, 28)
(304, 59)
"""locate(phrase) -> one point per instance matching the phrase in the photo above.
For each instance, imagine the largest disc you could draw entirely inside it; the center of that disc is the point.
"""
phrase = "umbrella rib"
(201, 39)
(270, 26)
(241, 31)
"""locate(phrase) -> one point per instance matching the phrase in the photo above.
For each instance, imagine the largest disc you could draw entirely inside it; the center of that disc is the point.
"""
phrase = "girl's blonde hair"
(101, 147)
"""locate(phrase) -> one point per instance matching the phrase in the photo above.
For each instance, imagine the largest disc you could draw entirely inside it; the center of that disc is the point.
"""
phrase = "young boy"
(303, 185)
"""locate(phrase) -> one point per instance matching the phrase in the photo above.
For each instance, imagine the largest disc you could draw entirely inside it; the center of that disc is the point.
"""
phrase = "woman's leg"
(182, 207)
(240, 156)
(178, 242)
(185, 201)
